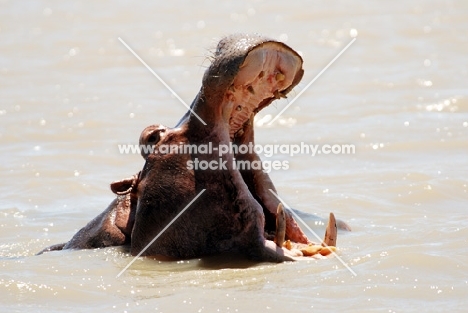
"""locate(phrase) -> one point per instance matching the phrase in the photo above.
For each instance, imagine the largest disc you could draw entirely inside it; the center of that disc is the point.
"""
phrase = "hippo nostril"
(260, 75)
(251, 90)
(239, 108)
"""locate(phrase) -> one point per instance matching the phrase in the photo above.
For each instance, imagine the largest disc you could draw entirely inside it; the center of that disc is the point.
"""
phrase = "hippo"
(219, 208)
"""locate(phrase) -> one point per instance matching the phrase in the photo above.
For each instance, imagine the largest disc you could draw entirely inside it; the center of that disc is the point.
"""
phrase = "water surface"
(71, 92)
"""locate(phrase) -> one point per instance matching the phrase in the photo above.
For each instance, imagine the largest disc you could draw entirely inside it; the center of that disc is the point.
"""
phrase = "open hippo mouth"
(238, 210)
(269, 71)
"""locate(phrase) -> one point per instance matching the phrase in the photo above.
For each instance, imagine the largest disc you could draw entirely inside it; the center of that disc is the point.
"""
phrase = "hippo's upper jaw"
(268, 72)
(248, 72)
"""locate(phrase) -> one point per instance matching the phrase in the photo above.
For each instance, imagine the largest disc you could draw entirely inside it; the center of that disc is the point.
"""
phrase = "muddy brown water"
(71, 93)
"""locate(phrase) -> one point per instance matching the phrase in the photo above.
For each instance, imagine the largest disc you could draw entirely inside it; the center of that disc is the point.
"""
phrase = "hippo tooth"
(240, 132)
(331, 232)
(280, 77)
(251, 118)
(251, 90)
(278, 94)
(280, 225)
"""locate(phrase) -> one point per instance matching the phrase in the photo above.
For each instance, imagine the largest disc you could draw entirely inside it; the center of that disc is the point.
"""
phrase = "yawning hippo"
(236, 210)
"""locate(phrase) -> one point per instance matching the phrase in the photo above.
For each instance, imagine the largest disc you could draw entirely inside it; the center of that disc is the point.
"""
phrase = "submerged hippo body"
(236, 210)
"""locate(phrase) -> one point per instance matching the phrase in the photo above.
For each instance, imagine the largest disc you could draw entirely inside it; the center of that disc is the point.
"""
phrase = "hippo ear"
(124, 186)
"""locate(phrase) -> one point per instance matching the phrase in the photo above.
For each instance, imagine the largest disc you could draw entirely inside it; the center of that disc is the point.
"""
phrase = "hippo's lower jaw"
(237, 211)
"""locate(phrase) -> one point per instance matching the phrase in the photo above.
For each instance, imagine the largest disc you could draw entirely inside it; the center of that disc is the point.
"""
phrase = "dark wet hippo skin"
(237, 211)
(113, 227)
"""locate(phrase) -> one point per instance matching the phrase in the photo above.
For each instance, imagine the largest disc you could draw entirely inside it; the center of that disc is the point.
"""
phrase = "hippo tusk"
(331, 232)
(280, 225)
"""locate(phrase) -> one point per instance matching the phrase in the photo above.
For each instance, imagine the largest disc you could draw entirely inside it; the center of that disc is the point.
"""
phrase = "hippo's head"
(247, 73)
(236, 209)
